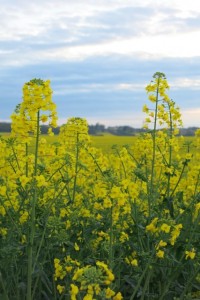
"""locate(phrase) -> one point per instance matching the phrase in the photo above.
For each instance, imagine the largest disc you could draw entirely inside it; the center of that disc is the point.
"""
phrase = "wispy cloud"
(65, 30)
(188, 83)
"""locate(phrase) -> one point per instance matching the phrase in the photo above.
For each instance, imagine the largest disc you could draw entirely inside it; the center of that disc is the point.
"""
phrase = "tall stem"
(111, 239)
(76, 167)
(170, 153)
(32, 219)
(26, 169)
(151, 190)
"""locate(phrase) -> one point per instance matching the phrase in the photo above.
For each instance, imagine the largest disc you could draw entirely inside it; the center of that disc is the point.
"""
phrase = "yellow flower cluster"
(74, 132)
(166, 113)
(175, 233)
(37, 97)
(132, 259)
(88, 281)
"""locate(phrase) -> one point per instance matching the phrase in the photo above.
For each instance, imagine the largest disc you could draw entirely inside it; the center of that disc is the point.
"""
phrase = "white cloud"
(157, 36)
(176, 45)
(145, 47)
(38, 33)
(130, 86)
(21, 19)
(185, 83)
(191, 117)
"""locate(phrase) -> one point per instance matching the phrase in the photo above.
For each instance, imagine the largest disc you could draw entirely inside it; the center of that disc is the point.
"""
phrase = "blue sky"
(100, 55)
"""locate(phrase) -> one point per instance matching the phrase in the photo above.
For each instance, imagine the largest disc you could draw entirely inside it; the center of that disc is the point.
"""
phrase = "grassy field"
(105, 142)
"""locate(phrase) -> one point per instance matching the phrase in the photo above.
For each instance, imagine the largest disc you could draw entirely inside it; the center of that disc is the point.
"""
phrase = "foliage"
(79, 224)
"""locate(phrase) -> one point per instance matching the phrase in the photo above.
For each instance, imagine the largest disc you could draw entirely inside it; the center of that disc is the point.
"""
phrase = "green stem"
(111, 239)
(9, 215)
(3, 287)
(182, 171)
(176, 271)
(170, 154)
(95, 161)
(187, 286)
(135, 160)
(45, 226)
(66, 187)
(32, 219)
(123, 166)
(154, 142)
(76, 167)
(140, 280)
(146, 284)
(196, 185)
(16, 158)
(26, 161)
(151, 195)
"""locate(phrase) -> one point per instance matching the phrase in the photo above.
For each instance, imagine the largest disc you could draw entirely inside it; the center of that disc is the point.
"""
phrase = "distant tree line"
(6, 127)
(99, 129)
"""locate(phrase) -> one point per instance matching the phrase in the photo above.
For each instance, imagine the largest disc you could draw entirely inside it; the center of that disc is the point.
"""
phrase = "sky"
(100, 55)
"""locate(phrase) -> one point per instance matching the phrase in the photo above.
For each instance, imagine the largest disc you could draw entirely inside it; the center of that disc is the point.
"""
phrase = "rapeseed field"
(77, 222)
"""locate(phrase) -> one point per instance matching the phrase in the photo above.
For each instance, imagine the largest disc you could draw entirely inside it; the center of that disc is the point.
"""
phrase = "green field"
(105, 142)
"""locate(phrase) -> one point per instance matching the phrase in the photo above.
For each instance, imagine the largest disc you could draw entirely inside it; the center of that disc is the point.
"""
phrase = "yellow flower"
(111, 276)
(68, 268)
(88, 297)
(160, 253)
(74, 291)
(134, 262)
(24, 180)
(41, 181)
(115, 192)
(107, 203)
(44, 118)
(23, 239)
(145, 109)
(123, 237)
(196, 210)
(50, 132)
(76, 247)
(102, 265)
(60, 288)
(78, 273)
(175, 233)
(2, 210)
(145, 126)
(3, 231)
(109, 293)
(97, 289)
(151, 227)
(148, 120)
(190, 254)
(118, 296)
(152, 98)
(3, 190)
(161, 244)
(150, 88)
(24, 217)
